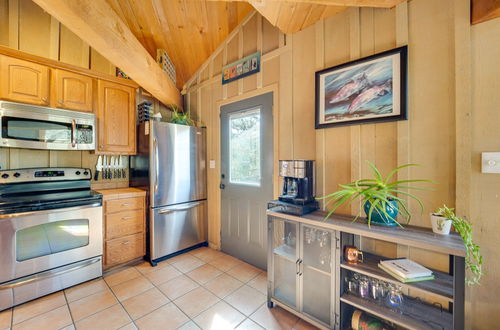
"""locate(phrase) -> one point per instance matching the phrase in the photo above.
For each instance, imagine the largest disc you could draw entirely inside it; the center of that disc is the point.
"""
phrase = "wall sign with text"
(242, 68)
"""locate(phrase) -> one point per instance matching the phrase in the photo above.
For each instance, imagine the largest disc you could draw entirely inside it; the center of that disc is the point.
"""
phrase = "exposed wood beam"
(341, 3)
(97, 24)
(483, 10)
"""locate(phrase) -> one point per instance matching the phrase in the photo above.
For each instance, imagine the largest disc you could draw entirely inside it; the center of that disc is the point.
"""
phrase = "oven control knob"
(77, 173)
(86, 173)
(5, 176)
(17, 174)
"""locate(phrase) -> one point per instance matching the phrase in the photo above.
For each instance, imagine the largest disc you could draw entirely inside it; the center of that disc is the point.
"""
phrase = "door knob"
(222, 186)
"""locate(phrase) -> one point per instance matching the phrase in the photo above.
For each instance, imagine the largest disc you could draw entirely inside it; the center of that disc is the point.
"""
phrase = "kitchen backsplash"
(24, 158)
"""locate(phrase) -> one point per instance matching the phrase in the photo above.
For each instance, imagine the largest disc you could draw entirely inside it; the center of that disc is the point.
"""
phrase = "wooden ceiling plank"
(484, 10)
(97, 23)
(342, 3)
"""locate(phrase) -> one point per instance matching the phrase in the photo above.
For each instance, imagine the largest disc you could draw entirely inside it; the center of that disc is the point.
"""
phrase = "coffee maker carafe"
(298, 181)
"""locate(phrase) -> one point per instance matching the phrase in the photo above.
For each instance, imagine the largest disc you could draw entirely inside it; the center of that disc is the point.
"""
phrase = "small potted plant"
(380, 197)
(473, 259)
(180, 117)
(440, 221)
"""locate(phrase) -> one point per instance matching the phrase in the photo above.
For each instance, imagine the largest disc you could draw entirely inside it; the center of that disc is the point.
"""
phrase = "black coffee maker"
(298, 193)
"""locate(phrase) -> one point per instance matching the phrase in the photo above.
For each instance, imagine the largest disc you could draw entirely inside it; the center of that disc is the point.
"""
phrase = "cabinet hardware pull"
(126, 218)
(126, 204)
(126, 242)
(44, 99)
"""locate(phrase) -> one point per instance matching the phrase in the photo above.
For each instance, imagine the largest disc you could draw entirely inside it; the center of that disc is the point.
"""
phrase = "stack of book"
(406, 270)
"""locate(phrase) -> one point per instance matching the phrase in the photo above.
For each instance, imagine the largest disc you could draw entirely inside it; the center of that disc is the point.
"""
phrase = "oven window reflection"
(50, 238)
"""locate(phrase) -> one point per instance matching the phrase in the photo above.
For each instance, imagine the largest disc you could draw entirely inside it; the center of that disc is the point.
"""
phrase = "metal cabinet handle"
(178, 208)
(126, 242)
(44, 99)
(297, 266)
(126, 204)
(48, 274)
(126, 218)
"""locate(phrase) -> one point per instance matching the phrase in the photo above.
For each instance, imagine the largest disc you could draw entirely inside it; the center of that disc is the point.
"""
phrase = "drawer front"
(124, 249)
(124, 223)
(125, 204)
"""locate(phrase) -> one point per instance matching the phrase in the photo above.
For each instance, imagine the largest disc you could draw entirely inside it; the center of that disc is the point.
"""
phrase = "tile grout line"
(69, 309)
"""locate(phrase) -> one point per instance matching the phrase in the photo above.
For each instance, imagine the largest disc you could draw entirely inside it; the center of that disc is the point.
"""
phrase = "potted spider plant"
(380, 196)
(180, 117)
(473, 258)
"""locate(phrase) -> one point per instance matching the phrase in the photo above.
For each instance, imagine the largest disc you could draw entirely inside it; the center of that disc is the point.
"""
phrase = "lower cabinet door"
(177, 227)
(124, 249)
(316, 273)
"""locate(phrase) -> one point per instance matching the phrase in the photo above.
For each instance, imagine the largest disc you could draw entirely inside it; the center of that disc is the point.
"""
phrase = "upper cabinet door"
(72, 91)
(116, 116)
(23, 81)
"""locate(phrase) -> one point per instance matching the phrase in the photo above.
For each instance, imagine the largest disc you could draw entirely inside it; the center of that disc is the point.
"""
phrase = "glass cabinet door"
(317, 272)
(285, 259)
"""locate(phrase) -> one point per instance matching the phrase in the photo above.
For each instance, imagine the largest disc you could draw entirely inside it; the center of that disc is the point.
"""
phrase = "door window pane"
(244, 147)
(50, 238)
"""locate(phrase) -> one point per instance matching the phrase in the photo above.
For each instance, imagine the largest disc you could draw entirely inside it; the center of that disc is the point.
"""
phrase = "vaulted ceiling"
(129, 32)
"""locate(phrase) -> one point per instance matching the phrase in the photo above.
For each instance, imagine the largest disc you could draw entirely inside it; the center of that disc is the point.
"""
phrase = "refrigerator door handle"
(171, 209)
(155, 143)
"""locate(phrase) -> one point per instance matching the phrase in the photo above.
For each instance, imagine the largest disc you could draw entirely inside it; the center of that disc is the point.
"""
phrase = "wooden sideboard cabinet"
(307, 274)
(24, 81)
(71, 91)
(124, 225)
(116, 118)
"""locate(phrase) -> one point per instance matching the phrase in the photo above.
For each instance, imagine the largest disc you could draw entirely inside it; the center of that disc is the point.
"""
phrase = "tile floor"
(201, 289)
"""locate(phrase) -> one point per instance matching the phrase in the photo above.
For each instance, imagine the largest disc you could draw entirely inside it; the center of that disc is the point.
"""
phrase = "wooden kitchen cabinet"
(71, 91)
(116, 117)
(23, 81)
(124, 213)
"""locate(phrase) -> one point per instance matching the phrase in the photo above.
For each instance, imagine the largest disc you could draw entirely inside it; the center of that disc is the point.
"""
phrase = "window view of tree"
(244, 153)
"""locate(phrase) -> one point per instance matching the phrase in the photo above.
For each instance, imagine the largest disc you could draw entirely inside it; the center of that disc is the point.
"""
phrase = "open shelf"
(286, 251)
(415, 314)
(441, 286)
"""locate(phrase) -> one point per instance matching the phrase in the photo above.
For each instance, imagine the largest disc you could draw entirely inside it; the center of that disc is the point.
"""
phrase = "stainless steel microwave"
(37, 127)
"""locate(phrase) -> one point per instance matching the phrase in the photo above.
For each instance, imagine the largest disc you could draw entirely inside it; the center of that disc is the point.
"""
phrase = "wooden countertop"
(119, 193)
(419, 237)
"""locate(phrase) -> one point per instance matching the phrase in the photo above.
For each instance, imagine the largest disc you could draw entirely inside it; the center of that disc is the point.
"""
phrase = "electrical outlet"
(490, 162)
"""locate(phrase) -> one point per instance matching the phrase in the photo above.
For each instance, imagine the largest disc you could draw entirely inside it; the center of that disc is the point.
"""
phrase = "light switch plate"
(490, 162)
(212, 163)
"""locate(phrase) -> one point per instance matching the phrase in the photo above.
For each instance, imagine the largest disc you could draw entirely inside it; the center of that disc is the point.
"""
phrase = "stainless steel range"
(50, 232)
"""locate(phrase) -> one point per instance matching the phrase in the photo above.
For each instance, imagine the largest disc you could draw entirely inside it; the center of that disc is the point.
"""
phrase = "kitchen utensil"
(112, 167)
(105, 167)
(119, 167)
(98, 168)
(124, 170)
(115, 167)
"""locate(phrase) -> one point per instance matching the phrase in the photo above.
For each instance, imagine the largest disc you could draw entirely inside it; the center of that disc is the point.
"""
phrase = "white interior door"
(246, 177)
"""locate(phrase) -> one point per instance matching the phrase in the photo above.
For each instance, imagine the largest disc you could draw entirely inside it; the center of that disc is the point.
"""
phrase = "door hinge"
(337, 243)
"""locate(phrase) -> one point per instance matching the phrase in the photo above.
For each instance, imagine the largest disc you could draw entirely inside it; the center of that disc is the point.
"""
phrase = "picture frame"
(242, 68)
(367, 90)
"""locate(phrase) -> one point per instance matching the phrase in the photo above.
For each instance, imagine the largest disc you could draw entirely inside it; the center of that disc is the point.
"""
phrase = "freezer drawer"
(176, 227)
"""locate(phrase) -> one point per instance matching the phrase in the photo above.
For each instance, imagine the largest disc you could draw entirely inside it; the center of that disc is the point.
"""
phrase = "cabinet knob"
(44, 99)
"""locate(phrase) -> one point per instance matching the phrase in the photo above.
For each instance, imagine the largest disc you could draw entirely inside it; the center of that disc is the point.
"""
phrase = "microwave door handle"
(73, 133)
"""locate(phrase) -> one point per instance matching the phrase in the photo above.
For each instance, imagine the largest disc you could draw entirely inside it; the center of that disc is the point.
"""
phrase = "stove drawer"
(124, 249)
(31, 287)
(124, 204)
(124, 223)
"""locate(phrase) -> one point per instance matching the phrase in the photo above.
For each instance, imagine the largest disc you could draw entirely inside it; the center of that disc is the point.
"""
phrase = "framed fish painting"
(371, 89)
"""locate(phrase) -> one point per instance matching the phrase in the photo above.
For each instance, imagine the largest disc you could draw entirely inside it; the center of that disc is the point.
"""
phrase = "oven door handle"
(48, 274)
(73, 133)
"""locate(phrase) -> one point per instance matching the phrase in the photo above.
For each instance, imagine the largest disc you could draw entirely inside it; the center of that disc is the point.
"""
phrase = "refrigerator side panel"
(178, 164)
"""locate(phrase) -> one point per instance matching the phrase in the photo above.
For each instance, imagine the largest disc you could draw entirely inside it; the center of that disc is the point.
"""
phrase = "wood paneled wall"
(436, 136)
(26, 27)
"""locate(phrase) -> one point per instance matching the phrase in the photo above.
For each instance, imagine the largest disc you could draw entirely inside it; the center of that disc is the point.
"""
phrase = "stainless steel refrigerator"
(171, 165)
